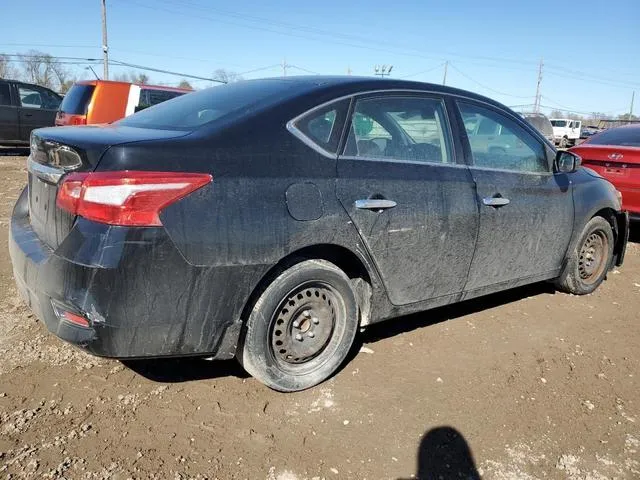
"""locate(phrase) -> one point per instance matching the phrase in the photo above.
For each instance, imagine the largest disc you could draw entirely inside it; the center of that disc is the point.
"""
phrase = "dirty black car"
(270, 220)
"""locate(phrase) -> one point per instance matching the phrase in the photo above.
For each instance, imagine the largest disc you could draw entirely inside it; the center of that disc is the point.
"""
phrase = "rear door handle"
(495, 201)
(375, 204)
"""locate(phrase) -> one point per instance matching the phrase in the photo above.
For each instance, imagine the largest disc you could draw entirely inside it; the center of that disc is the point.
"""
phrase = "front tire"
(301, 328)
(588, 264)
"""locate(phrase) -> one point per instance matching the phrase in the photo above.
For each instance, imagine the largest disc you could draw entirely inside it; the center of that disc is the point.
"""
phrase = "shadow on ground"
(634, 233)
(176, 370)
(14, 151)
(445, 454)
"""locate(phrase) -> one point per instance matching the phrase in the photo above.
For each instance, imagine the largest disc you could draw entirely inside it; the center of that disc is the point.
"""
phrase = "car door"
(9, 130)
(37, 108)
(526, 211)
(411, 201)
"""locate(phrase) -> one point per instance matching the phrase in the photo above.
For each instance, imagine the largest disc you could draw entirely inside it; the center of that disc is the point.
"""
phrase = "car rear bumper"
(139, 295)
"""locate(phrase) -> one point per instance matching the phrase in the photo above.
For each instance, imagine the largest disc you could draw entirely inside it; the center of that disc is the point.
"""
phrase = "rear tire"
(588, 264)
(301, 328)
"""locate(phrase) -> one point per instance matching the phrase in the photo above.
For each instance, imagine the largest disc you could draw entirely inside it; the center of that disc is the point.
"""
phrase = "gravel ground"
(521, 385)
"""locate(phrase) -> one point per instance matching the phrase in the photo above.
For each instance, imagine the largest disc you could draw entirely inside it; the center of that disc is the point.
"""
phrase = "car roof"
(350, 85)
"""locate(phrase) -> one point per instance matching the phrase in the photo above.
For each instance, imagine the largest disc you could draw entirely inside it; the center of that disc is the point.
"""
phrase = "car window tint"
(624, 136)
(505, 147)
(77, 99)
(30, 98)
(5, 96)
(399, 128)
(323, 126)
(153, 96)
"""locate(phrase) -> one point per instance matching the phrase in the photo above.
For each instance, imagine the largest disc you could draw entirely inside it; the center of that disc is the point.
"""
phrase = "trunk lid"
(56, 151)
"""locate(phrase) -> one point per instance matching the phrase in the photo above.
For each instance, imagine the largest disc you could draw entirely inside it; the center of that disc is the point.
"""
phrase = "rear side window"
(5, 95)
(77, 99)
(410, 129)
(323, 126)
(623, 136)
(150, 96)
(541, 124)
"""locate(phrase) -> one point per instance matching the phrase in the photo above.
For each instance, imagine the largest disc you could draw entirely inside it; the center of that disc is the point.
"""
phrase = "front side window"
(498, 142)
(411, 129)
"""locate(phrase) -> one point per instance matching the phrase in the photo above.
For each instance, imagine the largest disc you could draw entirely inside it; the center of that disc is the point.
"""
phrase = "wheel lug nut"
(296, 323)
(306, 313)
(311, 334)
(315, 320)
(298, 337)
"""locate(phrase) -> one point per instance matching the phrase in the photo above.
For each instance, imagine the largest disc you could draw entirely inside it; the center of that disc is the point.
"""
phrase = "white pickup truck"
(566, 132)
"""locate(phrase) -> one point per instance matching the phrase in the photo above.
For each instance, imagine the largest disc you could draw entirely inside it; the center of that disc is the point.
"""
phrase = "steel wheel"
(593, 257)
(302, 325)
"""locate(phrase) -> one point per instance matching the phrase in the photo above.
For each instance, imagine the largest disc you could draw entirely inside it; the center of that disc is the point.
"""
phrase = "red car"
(615, 154)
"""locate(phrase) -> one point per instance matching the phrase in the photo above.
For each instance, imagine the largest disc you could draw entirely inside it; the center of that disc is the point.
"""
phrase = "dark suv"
(23, 108)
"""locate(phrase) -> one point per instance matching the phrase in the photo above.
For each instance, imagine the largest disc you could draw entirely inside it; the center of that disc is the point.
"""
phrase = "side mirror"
(567, 162)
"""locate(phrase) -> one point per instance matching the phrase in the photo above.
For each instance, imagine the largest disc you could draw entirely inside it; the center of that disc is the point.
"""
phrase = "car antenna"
(94, 72)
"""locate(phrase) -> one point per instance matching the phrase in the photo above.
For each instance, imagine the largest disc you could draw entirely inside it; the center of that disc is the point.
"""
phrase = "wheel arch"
(352, 264)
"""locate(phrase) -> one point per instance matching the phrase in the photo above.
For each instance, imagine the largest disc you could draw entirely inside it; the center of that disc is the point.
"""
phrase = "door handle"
(496, 201)
(28, 114)
(375, 204)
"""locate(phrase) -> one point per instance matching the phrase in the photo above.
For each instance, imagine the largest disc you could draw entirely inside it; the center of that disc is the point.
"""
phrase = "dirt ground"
(521, 385)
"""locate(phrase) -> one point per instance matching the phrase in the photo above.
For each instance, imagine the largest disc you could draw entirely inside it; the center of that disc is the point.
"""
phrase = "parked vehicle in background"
(100, 101)
(586, 132)
(24, 107)
(354, 200)
(566, 132)
(615, 154)
(541, 123)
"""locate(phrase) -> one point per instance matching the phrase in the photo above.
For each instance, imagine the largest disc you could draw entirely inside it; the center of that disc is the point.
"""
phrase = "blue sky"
(589, 47)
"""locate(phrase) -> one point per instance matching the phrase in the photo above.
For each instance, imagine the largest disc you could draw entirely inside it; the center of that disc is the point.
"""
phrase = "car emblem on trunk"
(615, 156)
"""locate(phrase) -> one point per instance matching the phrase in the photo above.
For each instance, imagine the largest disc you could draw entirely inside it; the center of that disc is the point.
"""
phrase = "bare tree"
(185, 84)
(39, 68)
(226, 76)
(7, 70)
(133, 77)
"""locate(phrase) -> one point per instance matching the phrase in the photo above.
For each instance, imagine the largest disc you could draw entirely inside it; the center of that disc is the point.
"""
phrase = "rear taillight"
(128, 198)
(67, 119)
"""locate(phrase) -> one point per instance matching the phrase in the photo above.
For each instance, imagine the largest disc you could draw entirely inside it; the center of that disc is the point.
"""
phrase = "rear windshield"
(76, 101)
(196, 109)
(541, 124)
(618, 136)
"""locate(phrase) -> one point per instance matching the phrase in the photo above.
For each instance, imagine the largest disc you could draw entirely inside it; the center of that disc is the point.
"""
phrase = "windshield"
(191, 111)
(559, 123)
(624, 136)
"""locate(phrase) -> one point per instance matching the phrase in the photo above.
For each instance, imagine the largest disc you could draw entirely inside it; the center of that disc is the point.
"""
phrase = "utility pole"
(349, 70)
(446, 66)
(633, 95)
(536, 107)
(105, 47)
(382, 71)
(284, 67)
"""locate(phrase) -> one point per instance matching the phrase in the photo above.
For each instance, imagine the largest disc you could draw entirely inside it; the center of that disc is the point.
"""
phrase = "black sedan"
(269, 220)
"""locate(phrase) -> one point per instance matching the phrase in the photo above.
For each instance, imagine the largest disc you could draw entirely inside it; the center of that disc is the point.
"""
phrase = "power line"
(486, 87)
(159, 70)
(421, 72)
